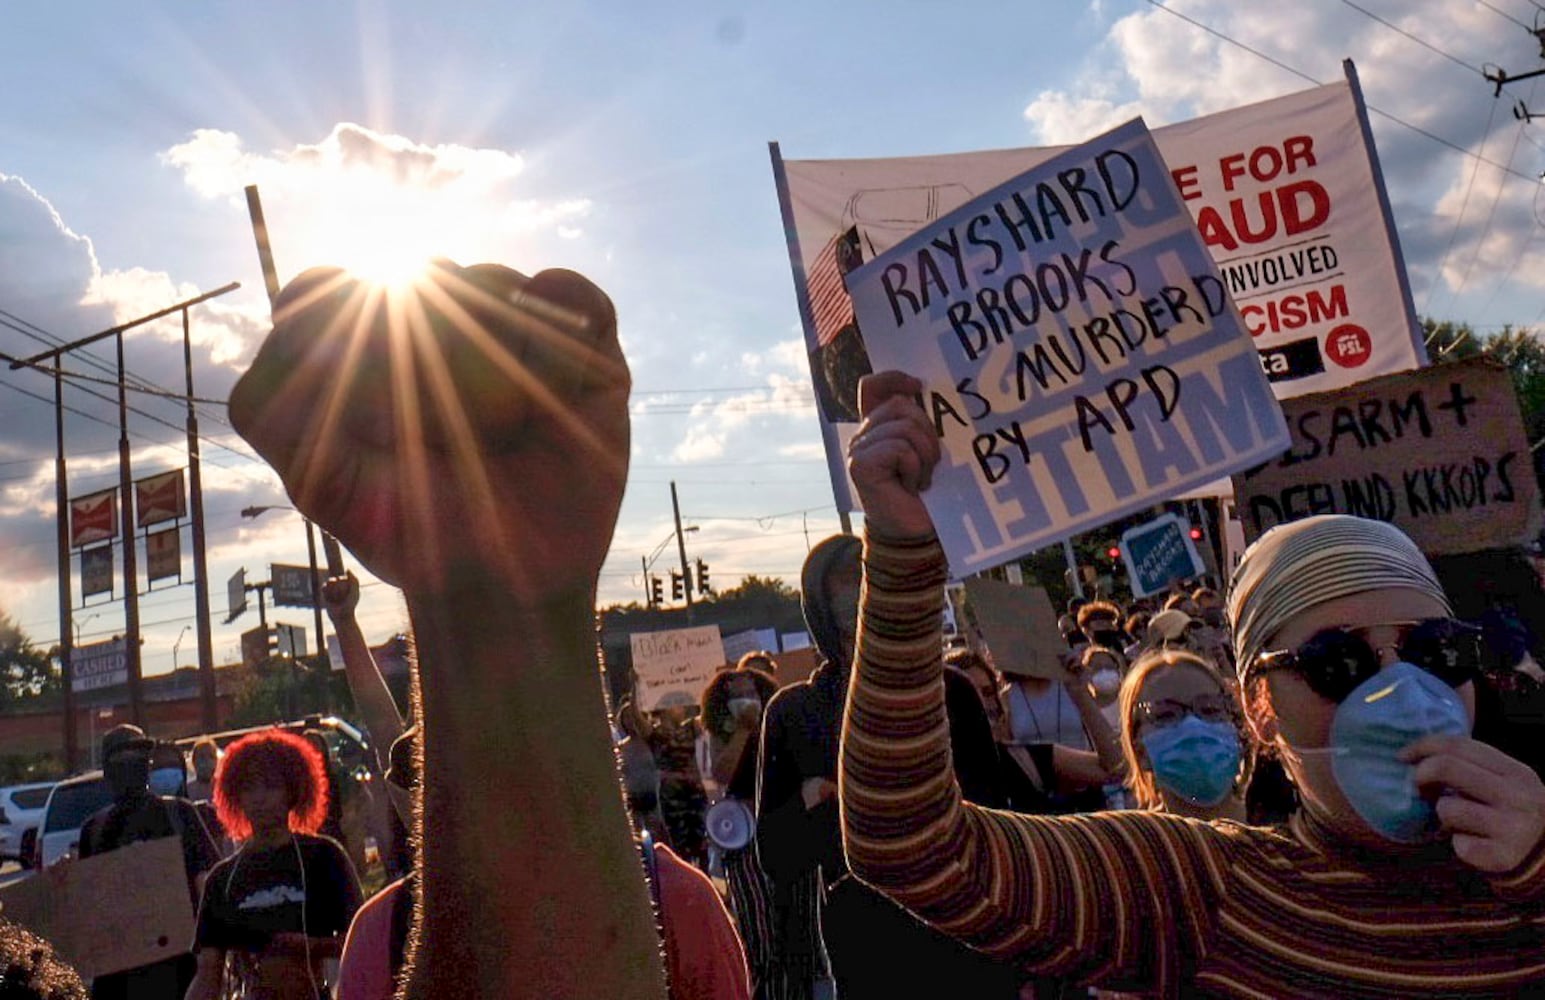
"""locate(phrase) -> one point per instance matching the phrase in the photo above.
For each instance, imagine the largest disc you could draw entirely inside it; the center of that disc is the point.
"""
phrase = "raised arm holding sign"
(470, 446)
(1079, 356)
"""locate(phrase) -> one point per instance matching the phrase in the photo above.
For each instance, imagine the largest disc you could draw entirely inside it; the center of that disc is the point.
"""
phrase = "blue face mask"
(1195, 759)
(1382, 716)
(167, 780)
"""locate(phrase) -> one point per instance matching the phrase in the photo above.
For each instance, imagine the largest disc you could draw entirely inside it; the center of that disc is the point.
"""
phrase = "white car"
(21, 809)
(71, 803)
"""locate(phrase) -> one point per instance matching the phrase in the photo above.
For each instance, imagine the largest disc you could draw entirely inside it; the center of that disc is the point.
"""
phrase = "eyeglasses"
(1335, 661)
(1163, 712)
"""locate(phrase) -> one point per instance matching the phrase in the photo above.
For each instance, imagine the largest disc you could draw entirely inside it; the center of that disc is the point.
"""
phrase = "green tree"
(1519, 348)
(26, 671)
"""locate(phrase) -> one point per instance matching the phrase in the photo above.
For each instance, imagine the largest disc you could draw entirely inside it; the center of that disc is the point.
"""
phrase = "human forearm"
(895, 746)
(531, 885)
(1107, 745)
(377, 708)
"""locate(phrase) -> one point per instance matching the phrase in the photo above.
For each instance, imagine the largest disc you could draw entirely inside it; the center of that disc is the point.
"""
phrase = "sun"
(385, 233)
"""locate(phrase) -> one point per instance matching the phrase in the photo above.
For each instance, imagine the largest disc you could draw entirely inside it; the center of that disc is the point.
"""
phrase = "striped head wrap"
(1303, 564)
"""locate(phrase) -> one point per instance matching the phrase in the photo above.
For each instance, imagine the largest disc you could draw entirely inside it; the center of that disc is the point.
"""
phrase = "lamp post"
(82, 623)
(253, 513)
(176, 646)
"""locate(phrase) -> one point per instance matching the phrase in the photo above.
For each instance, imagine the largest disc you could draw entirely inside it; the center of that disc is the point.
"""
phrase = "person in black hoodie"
(832, 930)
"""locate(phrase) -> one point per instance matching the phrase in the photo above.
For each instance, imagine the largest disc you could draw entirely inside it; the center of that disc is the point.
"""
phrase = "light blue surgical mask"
(1382, 716)
(743, 706)
(167, 780)
(1194, 758)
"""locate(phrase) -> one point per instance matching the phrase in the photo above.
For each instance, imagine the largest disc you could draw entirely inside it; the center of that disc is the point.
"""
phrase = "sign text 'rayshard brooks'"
(1080, 356)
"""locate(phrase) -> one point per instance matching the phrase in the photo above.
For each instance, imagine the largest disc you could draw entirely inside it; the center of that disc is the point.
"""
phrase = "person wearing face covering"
(833, 934)
(1182, 733)
(139, 814)
(1414, 867)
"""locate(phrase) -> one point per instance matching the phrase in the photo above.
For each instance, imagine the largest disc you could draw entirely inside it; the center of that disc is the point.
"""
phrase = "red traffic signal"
(1196, 534)
(1113, 553)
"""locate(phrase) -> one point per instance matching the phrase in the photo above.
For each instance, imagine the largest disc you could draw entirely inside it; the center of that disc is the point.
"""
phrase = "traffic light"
(1113, 553)
(1196, 533)
(702, 577)
(656, 597)
(676, 591)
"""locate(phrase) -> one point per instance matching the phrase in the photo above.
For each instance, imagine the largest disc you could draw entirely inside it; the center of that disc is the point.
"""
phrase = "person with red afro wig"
(276, 909)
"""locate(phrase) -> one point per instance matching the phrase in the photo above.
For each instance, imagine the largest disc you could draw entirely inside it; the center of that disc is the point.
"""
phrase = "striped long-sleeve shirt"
(1138, 900)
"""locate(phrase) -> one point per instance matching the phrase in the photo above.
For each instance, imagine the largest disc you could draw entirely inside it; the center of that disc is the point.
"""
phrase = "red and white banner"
(1287, 196)
(159, 498)
(93, 518)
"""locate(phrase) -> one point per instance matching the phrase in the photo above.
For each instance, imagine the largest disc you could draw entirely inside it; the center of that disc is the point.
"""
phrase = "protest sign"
(1079, 356)
(1159, 552)
(1015, 626)
(1440, 452)
(750, 641)
(99, 665)
(112, 911)
(674, 666)
(1287, 194)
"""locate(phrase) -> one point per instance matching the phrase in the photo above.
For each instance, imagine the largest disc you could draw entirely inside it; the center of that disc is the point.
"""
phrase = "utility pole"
(209, 705)
(681, 548)
(130, 553)
(66, 630)
(126, 488)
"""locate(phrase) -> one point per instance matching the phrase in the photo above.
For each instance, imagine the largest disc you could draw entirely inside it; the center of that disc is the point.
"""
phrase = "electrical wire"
(1480, 241)
(1464, 204)
(1419, 41)
(1305, 76)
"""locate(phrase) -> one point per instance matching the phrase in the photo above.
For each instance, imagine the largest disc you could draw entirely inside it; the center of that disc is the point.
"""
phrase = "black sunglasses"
(1334, 662)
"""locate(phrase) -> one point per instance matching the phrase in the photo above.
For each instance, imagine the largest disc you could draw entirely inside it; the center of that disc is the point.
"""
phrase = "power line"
(1492, 214)
(1422, 42)
(1305, 76)
(1499, 11)
(1475, 168)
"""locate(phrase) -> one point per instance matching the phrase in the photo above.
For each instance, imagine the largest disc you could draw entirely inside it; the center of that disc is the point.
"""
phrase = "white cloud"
(714, 423)
(1151, 62)
(358, 191)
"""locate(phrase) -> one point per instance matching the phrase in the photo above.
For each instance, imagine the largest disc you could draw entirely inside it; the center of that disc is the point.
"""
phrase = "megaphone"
(731, 824)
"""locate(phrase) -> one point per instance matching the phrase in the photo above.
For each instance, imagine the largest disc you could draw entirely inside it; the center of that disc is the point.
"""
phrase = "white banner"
(1079, 358)
(1285, 192)
(674, 666)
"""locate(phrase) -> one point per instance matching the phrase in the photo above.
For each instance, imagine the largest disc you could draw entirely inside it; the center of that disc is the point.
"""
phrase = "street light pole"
(177, 646)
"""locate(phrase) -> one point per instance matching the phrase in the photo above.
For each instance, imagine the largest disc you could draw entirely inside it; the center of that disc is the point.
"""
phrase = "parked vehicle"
(21, 809)
(70, 804)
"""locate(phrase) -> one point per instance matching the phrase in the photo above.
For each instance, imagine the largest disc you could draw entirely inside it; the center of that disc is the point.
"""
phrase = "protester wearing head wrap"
(1146, 902)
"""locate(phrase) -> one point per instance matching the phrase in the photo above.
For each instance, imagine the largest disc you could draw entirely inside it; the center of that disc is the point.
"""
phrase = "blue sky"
(627, 141)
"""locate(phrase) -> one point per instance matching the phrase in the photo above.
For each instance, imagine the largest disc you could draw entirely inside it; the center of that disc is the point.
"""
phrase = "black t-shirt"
(259, 893)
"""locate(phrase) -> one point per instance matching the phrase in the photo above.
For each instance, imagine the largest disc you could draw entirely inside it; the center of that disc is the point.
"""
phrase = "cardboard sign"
(1080, 357)
(93, 518)
(1158, 553)
(96, 571)
(111, 912)
(1439, 452)
(750, 641)
(1286, 192)
(159, 498)
(99, 665)
(1015, 627)
(163, 554)
(674, 666)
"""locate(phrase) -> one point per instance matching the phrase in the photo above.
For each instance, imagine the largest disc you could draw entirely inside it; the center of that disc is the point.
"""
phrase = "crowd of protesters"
(1264, 789)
